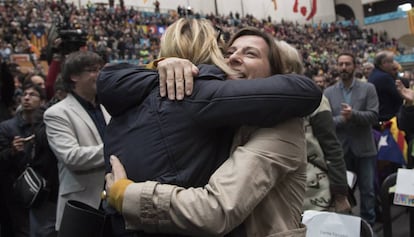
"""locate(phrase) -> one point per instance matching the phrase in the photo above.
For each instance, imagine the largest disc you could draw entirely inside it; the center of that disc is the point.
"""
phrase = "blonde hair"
(195, 40)
(290, 57)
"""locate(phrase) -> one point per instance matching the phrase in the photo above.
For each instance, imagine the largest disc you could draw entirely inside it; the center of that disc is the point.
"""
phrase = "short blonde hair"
(195, 40)
(290, 57)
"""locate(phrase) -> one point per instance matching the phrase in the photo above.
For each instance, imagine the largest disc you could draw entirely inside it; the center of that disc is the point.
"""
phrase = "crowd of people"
(79, 123)
(125, 33)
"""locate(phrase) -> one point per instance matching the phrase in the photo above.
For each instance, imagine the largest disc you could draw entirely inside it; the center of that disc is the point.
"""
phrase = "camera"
(72, 38)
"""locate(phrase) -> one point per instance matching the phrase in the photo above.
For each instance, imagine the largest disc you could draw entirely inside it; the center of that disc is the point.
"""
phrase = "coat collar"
(210, 72)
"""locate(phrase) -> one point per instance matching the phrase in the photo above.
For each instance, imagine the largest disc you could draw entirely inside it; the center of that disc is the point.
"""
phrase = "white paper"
(404, 191)
(321, 224)
(351, 178)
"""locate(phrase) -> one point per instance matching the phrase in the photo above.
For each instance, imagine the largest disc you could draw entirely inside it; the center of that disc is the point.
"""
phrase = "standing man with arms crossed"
(354, 105)
(75, 128)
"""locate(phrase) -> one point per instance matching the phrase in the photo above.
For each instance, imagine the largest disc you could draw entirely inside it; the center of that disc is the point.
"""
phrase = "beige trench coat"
(261, 185)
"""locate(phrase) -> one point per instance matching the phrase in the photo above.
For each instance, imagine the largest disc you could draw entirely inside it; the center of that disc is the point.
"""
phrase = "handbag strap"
(32, 155)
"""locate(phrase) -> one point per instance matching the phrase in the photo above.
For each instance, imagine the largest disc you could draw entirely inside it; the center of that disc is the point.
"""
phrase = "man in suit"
(354, 106)
(75, 128)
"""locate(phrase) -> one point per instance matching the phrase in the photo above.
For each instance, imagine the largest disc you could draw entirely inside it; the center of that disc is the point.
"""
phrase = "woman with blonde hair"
(195, 40)
(184, 142)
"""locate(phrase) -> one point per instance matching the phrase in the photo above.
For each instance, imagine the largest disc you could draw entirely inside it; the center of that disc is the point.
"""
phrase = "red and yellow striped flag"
(399, 137)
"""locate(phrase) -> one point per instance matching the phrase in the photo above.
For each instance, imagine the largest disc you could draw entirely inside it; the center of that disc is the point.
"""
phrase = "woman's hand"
(116, 184)
(118, 172)
(176, 77)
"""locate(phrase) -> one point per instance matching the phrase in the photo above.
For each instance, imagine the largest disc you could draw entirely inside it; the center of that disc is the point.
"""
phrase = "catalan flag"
(392, 145)
(399, 137)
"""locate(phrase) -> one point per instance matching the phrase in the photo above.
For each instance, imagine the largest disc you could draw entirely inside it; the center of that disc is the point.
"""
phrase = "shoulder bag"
(30, 187)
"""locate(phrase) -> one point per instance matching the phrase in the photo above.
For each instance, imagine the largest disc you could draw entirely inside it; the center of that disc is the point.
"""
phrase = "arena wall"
(306, 11)
(394, 28)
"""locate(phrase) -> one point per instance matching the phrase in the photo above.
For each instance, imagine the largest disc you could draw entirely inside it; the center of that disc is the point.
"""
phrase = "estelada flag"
(388, 148)
(392, 145)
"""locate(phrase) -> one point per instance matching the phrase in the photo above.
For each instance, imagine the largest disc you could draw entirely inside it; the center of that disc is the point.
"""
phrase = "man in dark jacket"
(16, 143)
(382, 77)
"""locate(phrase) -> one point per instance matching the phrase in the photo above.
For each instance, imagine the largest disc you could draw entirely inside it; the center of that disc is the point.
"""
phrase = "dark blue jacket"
(184, 142)
(43, 160)
(388, 96)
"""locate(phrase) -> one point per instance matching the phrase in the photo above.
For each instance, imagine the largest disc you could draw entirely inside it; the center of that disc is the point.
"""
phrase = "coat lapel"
(77, 108)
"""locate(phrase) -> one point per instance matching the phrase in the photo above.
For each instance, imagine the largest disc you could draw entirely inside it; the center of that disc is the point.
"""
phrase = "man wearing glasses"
(75, 128)
(16, 150)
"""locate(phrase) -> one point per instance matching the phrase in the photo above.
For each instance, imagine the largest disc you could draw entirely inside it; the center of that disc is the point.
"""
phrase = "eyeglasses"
(92, 69)
(31, 94)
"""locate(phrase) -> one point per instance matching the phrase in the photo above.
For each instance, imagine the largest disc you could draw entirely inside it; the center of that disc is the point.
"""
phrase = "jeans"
(364, 167)
(43, 220)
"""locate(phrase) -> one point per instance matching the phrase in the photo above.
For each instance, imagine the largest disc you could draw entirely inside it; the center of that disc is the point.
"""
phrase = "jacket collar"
(207, 71)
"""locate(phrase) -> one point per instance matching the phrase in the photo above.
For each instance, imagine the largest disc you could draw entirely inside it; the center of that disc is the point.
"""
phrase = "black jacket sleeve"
(121, 86)
(215, 102)
(405, 120)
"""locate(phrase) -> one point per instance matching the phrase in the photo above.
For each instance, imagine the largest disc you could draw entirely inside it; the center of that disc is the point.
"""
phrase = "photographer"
(62, 41)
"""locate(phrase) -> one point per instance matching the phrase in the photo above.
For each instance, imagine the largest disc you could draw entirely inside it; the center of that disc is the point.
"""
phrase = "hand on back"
(176, 77)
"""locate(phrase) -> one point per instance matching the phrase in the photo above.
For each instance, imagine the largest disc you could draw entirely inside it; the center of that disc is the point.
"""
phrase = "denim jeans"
(43, 220)
(364, 167)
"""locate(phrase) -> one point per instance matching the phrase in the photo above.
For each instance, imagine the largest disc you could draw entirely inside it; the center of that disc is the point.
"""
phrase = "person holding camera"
(16, 145)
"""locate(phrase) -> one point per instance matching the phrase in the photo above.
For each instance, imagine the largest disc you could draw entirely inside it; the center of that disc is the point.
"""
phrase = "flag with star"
(388, 148)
